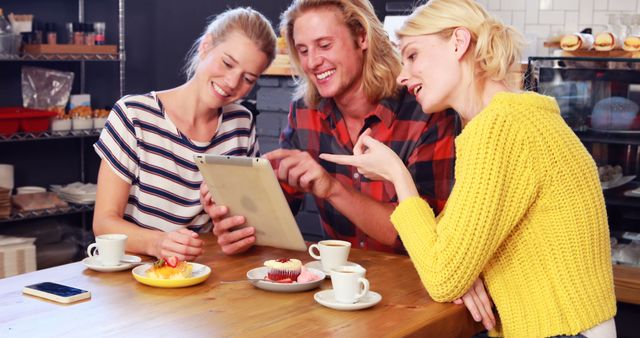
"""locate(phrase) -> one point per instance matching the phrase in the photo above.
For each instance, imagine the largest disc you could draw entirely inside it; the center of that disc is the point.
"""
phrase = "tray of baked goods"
(609, 43)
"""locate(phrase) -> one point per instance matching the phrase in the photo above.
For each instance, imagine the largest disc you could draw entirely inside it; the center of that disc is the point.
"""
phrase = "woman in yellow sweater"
(526, 212)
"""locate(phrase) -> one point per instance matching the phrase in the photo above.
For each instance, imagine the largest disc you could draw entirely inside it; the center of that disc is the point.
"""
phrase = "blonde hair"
(495, 49)
(245, 20)
(381, 60)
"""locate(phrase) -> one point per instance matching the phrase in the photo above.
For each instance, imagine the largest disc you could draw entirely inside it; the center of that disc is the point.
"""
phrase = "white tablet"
(249, 188)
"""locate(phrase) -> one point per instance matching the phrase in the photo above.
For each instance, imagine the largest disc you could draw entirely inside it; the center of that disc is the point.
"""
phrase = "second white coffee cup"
(108, 249)
(348, 284)
(331, 253)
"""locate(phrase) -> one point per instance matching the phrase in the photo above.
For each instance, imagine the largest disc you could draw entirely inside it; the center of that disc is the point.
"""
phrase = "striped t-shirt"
(143, 147)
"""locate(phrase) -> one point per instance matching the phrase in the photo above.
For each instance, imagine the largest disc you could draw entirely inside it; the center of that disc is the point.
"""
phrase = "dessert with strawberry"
(283, 270)
(170, 268)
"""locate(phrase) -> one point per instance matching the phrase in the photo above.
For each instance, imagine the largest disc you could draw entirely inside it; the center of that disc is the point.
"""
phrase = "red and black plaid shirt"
(424, 142)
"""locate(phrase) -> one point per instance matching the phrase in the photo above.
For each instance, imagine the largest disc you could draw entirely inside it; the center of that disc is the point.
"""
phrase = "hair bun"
(497, 49)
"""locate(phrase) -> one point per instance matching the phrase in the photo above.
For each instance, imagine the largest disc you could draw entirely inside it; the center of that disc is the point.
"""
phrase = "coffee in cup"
(348, 284)
(331, 253)
(108, 249)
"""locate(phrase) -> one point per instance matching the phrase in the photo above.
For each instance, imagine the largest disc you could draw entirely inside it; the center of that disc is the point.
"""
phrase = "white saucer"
(327, 298)
(93, 264)
(318, 266)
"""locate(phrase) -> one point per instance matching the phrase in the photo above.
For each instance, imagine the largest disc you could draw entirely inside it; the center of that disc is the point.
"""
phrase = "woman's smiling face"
(431, 70)
(228, 71)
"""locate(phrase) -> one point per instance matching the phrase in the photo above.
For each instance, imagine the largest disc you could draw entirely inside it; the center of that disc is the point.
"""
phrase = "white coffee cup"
(348, 284)
(110, 249)
(332, 253)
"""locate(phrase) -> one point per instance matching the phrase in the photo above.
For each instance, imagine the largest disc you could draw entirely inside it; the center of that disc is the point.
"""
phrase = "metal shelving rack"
(60, 57)
(71, 209)
(19, 137)
(120, 57)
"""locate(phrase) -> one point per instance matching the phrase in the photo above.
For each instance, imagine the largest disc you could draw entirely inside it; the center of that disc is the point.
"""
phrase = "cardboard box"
(17, 255)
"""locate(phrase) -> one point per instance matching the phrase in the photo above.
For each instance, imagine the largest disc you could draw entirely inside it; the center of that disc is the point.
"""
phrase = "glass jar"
(52, 33)
(68, 28)
(99, 28)
(89, 35)
(78, 34)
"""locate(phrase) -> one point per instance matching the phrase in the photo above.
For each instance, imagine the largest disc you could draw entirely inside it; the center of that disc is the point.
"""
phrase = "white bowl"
(30, 190)
(82, 123)
(99, 122)
(60, 125)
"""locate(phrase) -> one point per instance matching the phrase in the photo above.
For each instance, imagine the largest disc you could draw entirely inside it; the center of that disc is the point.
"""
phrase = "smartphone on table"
(56, 292)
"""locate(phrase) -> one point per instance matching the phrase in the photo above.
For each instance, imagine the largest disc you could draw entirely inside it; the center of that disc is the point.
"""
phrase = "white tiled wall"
(537, 19)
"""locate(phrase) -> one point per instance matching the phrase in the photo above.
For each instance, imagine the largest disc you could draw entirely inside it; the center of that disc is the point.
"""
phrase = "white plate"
(633, 193)
(261, 273)
(200, 274)
(327, 298)
(93, 264)
(616, 183)
(318, 266)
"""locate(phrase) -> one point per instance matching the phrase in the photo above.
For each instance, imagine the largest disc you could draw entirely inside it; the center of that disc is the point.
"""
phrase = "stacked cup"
(348, 281)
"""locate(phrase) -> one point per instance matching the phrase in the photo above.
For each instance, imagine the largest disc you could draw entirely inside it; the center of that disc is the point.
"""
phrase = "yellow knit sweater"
(527, 213)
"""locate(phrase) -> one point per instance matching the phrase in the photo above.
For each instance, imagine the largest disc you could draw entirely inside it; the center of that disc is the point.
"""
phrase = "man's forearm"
(369, 215)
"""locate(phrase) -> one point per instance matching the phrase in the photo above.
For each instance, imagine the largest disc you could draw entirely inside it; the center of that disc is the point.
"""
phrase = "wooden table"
(627, 283)
(120, 306)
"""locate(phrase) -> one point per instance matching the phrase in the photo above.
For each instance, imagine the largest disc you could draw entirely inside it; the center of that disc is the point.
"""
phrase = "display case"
(599, 98)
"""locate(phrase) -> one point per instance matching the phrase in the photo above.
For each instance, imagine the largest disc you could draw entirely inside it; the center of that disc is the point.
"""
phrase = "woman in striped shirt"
(148, 184)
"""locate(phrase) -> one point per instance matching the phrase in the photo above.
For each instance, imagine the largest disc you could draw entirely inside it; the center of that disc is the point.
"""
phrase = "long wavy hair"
(381, 60)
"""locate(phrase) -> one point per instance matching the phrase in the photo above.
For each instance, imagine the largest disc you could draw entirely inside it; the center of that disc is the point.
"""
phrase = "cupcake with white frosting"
(283, 270)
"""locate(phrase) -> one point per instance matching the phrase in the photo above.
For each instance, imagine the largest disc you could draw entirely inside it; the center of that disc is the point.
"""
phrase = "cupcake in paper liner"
(283, 269)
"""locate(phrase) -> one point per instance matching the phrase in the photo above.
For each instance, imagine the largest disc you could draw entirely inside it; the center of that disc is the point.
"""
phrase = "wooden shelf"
(70, 49)
(627, 283)
(281, 66)
(616, 53)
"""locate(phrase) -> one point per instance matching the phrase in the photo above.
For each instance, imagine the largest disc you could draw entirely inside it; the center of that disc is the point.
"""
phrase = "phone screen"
(56, 289)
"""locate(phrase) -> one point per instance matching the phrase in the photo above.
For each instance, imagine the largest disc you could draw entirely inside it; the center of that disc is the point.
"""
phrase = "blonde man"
(347, 69)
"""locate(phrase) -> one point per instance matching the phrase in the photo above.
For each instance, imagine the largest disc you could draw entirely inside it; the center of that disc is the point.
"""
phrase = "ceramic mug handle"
(91, 251)
(365, 288)
(313, 254)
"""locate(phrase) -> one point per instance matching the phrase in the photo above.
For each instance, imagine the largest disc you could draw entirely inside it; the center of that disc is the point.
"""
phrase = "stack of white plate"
(633, 193)
(77, 192)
